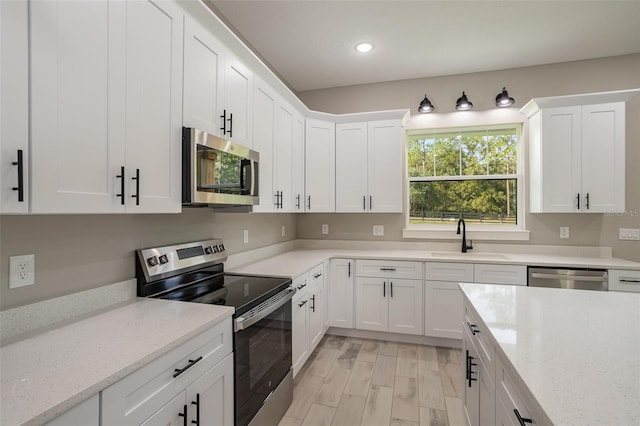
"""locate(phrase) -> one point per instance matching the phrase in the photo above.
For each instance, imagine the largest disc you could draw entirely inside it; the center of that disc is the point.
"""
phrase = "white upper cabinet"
(297, 163)
(238, 91)
(369, 167)
(283, 165)
(320, 176)
(14, 107)
(264, 107)
(203, 79)
(577, 152)
(106, 91)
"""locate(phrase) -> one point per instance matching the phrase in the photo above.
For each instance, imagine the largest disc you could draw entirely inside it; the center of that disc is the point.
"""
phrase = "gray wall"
(615, 73)
(79, 252)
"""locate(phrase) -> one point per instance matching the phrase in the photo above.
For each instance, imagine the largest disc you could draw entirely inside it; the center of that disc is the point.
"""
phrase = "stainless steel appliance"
(194, 272)
(217, 172)
(576, 278)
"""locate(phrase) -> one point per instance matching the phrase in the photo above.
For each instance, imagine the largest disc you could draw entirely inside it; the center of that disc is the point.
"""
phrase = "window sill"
(472, 234)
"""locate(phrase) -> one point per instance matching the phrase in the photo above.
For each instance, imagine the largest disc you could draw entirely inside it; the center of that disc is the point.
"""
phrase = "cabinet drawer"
(140, 394)
(389, 269)
(500, 274)
(480, 339)
(511, 397)
(316, 275)
(620, 280)
(301, 283)
(443, 271)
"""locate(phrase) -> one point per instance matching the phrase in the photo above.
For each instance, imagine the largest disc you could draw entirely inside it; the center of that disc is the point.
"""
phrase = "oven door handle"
(244, 323)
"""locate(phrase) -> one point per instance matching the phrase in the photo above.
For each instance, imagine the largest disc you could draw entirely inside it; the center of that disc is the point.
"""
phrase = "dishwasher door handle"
(601, 278)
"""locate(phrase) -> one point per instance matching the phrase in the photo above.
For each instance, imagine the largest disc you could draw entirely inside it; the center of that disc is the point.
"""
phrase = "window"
(469, 173)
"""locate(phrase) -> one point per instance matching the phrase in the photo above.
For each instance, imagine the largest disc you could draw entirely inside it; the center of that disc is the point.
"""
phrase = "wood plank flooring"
(350, 381)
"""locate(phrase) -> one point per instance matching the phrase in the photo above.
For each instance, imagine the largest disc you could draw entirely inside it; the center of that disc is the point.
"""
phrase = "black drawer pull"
(313, 299)
(20, 188)
(521, 419)
(388, 269)
(474, 328)
(301, 304)
(301, 286)
(192, 362)
(629, 280)
(317, 275)
(470, 364)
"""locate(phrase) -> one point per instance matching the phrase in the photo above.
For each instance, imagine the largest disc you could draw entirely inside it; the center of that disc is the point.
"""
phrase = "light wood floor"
(350, 382)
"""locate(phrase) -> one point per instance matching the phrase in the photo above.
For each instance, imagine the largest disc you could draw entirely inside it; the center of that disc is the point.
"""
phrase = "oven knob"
(163, 259)
(152, 261)
(208, 250)
(221, 247)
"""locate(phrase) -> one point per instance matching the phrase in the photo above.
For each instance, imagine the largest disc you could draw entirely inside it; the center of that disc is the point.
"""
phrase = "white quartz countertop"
(298, 261)
(47, 374)
(577, 351)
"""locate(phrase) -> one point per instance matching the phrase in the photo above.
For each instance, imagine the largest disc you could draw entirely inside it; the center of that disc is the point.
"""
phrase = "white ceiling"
(311, 44)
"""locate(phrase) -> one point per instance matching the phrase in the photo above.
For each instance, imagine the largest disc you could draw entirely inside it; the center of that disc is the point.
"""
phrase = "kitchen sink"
(470, 256)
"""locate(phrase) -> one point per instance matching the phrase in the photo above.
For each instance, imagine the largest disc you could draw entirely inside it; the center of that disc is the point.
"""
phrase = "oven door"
(217, 171)
(262, 355)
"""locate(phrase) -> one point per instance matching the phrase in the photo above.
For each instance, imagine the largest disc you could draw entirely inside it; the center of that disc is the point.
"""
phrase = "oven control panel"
(157, 262)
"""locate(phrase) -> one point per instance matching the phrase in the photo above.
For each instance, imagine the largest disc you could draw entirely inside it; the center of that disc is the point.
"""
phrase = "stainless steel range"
(194, 272)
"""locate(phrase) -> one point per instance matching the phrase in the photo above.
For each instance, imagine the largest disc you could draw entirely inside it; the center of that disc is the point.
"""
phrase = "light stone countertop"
(296, 262)
(577, 351)
(45, 375)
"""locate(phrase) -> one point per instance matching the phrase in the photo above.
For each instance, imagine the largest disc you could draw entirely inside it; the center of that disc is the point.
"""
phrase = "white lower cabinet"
(340, 293)
(620, 280)
(387, 303)
(86, 413)
(308, 319)
(500, 274)
(192, 383)
(443, 298)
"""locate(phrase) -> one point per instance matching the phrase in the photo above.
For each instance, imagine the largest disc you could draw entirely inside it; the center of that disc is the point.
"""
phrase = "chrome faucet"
(465, 247)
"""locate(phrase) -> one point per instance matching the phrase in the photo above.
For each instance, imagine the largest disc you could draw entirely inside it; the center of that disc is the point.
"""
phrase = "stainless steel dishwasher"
(575, 278)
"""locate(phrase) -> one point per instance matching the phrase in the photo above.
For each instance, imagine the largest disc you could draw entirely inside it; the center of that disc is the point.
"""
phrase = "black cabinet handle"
(370, 202)
(349, 273)
(578, 197)
(391, 282)
(309, 202)
(197, 404)
(121, 177)
(470, 364)
(384, 289)
(137, 194)
(521, 419)
(474, 328)
(317, 275)
(224, 122)
(388, 269)
(587, 201)
(20, 188)
(301, 304)
(230, 120)
(301, 286)
(184, 415)
(298, 201)
(281, 196)
(313, 300)
(192, 362)
(364, 202)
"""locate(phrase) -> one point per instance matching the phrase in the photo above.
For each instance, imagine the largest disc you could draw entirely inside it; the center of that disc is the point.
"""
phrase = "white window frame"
(478, 232)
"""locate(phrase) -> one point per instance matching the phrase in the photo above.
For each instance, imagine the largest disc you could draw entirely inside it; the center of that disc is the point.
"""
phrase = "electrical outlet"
(283, 231)
(325, 228)
(378, 230)
(21, 270)
(246, 236)
(629, 234)
(564, 232)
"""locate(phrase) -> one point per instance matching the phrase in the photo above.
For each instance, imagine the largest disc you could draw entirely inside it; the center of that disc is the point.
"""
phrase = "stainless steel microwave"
(217, 172)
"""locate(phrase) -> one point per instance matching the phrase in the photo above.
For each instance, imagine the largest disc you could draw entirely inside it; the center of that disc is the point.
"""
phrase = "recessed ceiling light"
(364, 47)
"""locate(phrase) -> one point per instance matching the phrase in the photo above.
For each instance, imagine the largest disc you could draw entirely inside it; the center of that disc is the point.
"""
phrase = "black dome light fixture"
(463, 104)
(425, 106)
(503, 99)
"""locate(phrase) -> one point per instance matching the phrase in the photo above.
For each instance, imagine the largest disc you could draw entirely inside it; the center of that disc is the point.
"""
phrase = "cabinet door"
(238, 90)
(385, 166)
(351, 168)
(78, 105)
(340, 293)
(300, 331)
(443, 309)
(154, 106)
(86, 413)
(284, 156)
(406, 306)
(169, 414)
(560, 166)
(603, 168)
(297, 162)
(14, 105)
(210, 398)
(320, 166)
(372, 304)
(203, 78)
(471, 388)
(486, 396)
(316, 320)
(264, 108)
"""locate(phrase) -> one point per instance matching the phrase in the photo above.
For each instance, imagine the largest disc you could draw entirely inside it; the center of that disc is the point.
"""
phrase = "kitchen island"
(573, 354)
